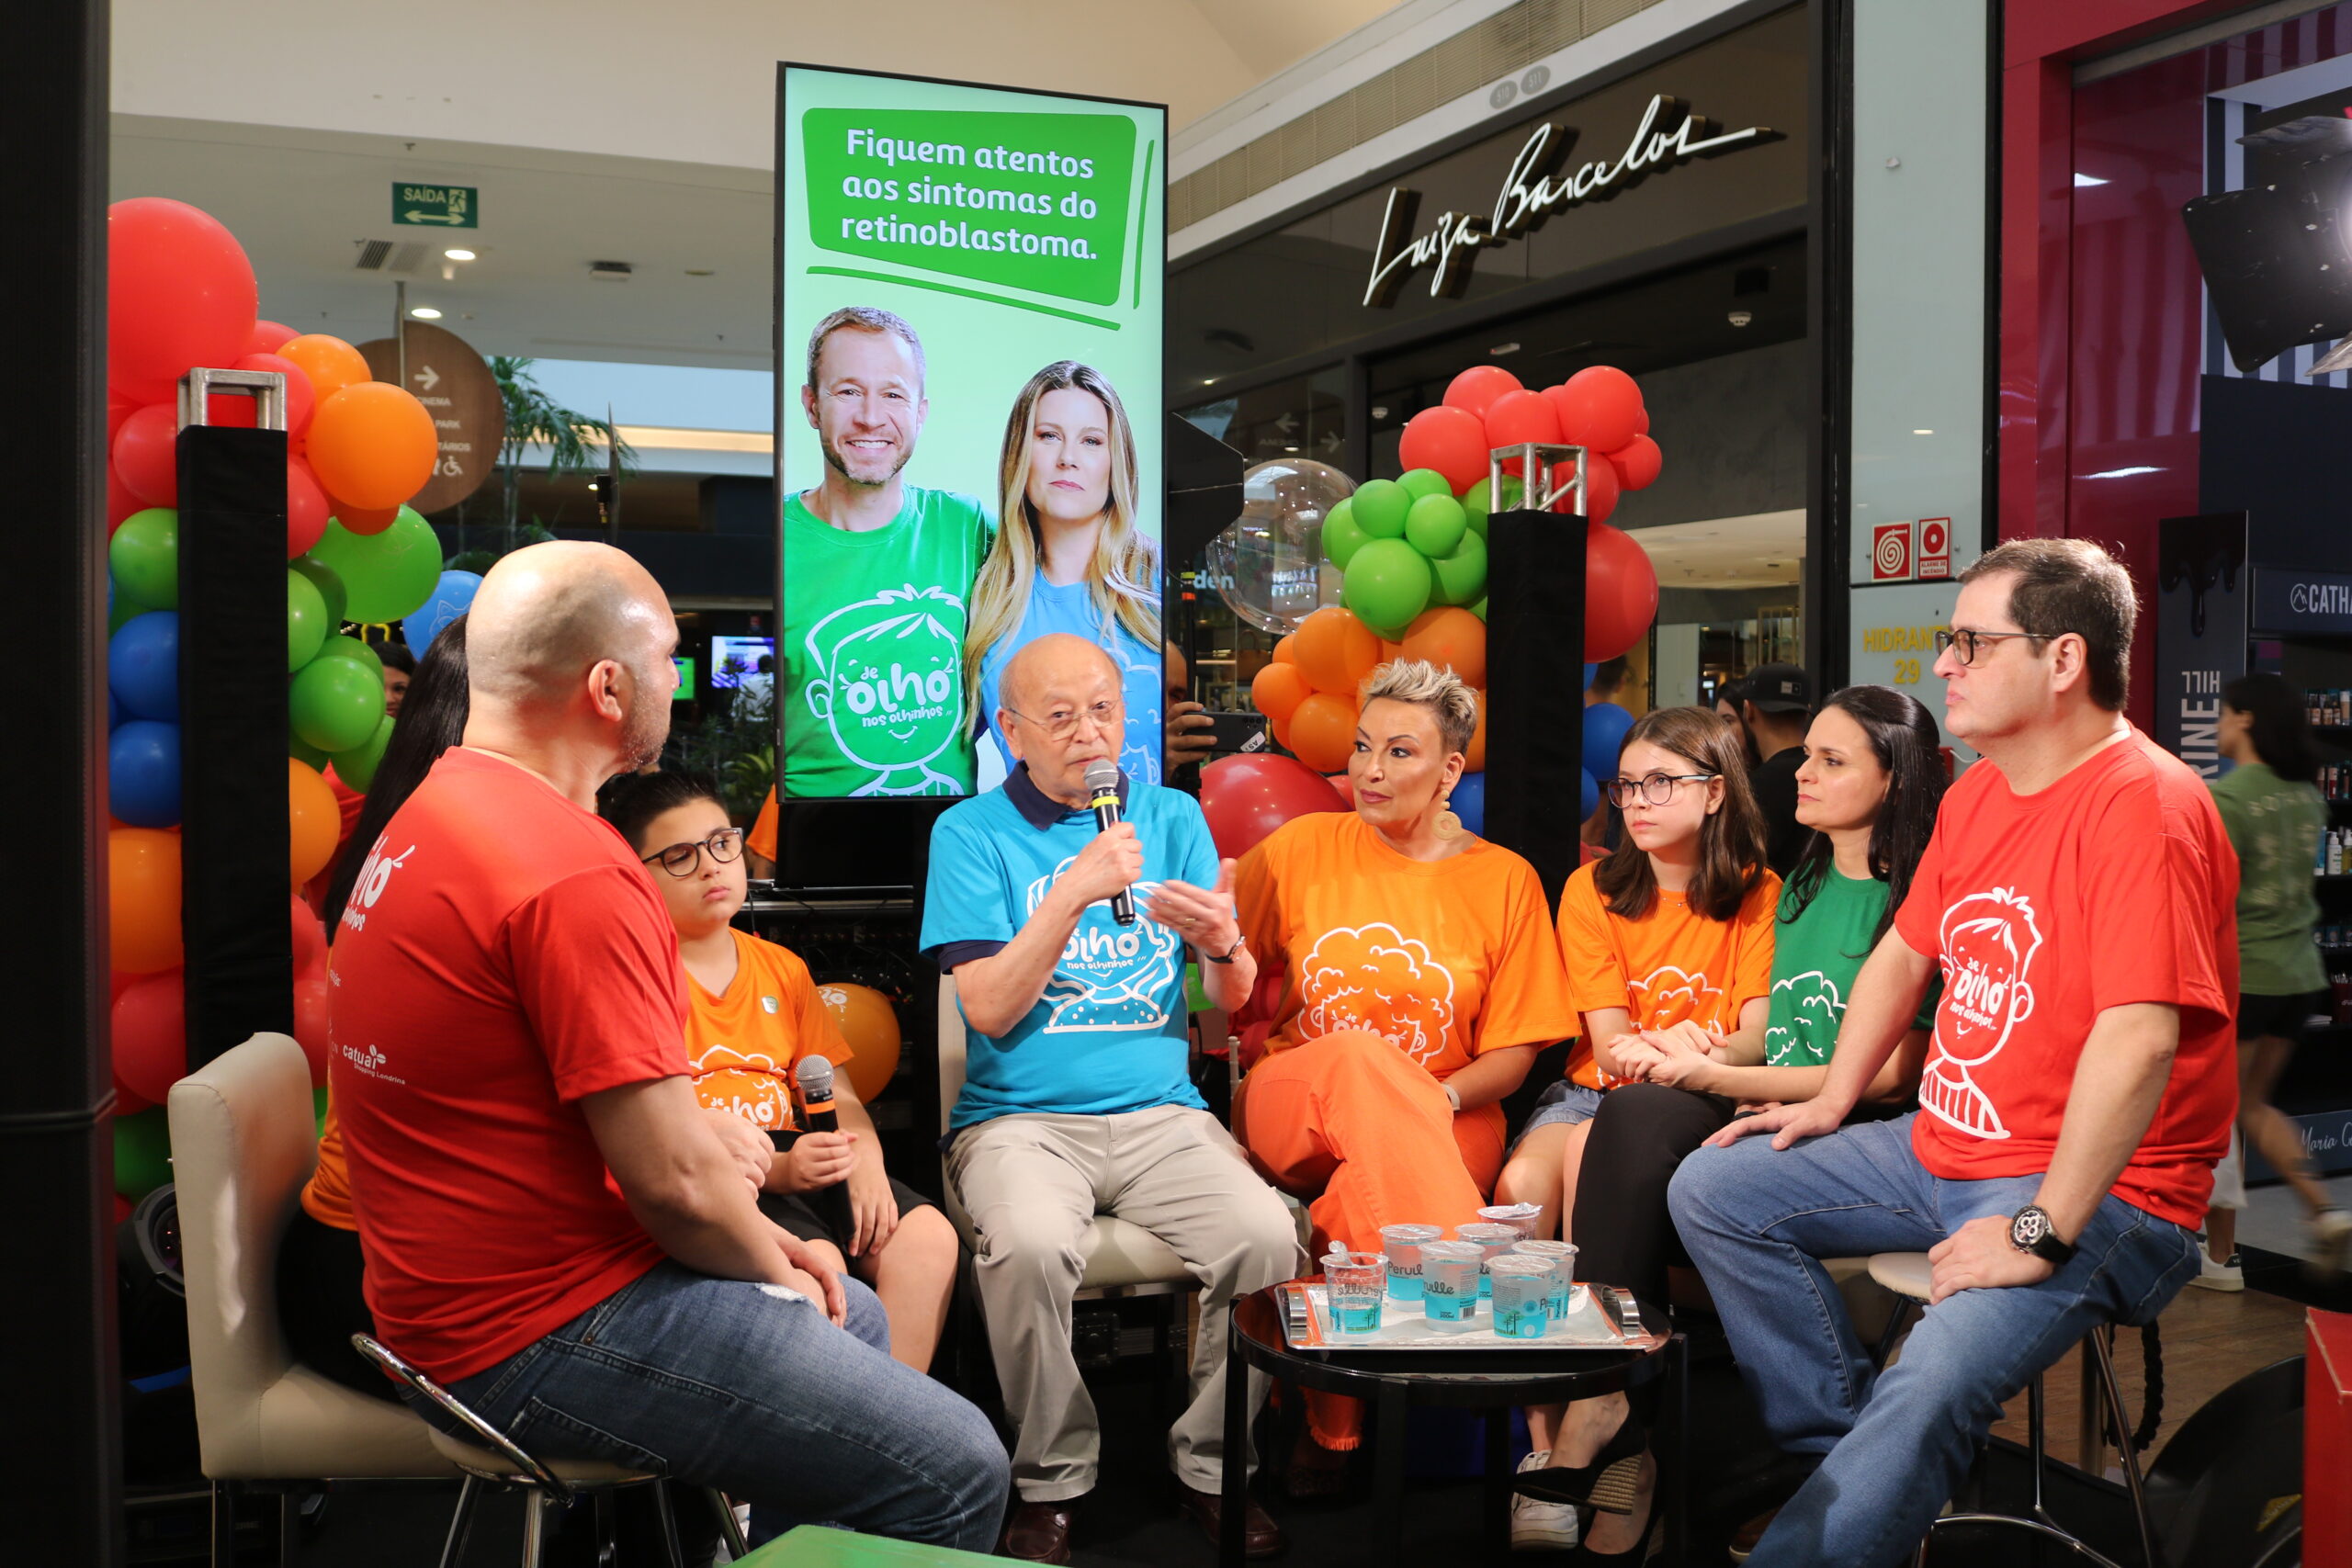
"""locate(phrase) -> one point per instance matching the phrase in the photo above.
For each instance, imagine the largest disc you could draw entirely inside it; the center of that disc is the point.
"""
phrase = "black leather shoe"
(1260, 1537)
(1038, 1532)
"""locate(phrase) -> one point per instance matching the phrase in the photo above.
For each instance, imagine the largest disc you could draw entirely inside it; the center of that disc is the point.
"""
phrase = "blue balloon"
(143, 774)
(451, 598)
(1589, 796)
(1591, 671)
(1469, 802)
(1604, 735)
(114, 711)
(143, 665)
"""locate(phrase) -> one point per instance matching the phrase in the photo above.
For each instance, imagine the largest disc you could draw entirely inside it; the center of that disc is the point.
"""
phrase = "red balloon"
(1600, 408)
(1601, 487)
(269, 336)
(180, 293)
(151, 1035)
(1245, 799)
(1638, 462)
(306, 508)
(310, 939)
(362, 520)
(1451, 440)
(128, 1101)
(1620, 592)
(1521, 416)
(121, 501)
(1642, 426)
(1476, 390)
(147, 455)
(311, 992)
(117, 410)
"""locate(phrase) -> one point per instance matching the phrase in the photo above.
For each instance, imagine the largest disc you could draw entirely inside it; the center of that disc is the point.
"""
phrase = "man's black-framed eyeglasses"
(1656, 788)
(681, 860)
(1967, 644)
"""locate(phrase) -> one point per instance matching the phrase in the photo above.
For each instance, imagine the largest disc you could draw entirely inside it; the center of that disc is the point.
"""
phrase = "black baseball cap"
(1778, 688)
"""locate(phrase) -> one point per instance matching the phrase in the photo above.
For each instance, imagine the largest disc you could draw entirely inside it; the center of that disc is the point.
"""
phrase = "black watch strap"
(1225, 957)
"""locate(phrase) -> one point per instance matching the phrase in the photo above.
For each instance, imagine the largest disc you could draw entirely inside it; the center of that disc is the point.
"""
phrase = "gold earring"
(1447, 826)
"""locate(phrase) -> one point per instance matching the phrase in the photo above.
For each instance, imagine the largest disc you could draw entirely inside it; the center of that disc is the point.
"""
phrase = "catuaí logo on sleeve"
(1110, 976)
(1989, 940)
(886, 679)
(1812, 1034)
(1376, 977)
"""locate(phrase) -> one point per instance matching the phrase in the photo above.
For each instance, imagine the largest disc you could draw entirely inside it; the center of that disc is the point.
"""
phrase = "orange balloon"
(1390, 652)
(1323, 731)
(1281, 727)
(372, 445)
(330, 363)
(1452, 638)
(870, 1024)
(1287, 650)
(1473, 756)
(144, 899)
(1336, 651)
(313, 822)
(1278, 690)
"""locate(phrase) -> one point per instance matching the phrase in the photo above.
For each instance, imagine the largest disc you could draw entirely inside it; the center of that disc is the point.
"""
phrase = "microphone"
(814, 1076)
(1103, 785)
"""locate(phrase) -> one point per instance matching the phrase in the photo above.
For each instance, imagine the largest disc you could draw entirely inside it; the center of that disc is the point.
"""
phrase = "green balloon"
(1435, 524)
(336, 703)
(1379, 507)
(1479, 609)
(144, 555)
(1342, 536)
(357, 767)
(1388, 583)
(329, 584)
(1462, 576)
(318, 1107)
(306, 620)
(308, 755)
(143, 1152)
(1477, 502)
(121, 613)
(342, 645)
(1425, 481)
(386, 575)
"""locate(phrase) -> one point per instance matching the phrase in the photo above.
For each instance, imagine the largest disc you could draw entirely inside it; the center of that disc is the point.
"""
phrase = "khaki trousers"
(1033, 1185)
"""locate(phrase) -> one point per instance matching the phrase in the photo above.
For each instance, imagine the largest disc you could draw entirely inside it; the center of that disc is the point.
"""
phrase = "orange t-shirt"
(326, 1197)
(761, 838)
(742, 1047)
(1668, 966)
(1446, 959)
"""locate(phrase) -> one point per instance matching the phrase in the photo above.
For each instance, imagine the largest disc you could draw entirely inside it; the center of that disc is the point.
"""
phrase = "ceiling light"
(458, 256)
(2124, 473)
(1379, 410)
(1923, 433)
(1208, 380)
(2083, 180)
(1503, 348)
(425, 313)
(1289, 448)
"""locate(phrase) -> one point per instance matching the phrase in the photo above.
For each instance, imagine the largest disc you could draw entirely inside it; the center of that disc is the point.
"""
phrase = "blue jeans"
(749, 1389)
(1755, 1219)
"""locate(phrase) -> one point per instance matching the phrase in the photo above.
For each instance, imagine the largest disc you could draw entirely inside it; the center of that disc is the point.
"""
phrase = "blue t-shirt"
(1142, 675)
(1108, 1036)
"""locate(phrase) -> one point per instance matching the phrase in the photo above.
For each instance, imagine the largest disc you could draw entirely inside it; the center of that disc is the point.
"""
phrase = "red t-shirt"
(2115, 885)
(502, 955)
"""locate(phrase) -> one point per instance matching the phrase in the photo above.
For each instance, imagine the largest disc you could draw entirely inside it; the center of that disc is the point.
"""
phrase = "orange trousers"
(1361, 1131)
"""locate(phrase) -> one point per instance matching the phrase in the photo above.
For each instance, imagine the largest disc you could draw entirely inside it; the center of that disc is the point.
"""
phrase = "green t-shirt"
(1814, 959)
(873, 650)
(2275, 826)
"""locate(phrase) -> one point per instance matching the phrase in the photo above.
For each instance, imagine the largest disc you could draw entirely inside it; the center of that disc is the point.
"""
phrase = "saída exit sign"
(436, 207)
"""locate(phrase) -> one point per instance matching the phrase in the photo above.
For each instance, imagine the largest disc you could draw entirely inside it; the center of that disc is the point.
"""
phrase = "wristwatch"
(2029, 1231)
(1226, 956)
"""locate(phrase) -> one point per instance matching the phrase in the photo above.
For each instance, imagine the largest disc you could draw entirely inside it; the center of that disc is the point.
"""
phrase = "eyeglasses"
(1656, 788)
(681, 860)
(1062, 723)
(1967, 643)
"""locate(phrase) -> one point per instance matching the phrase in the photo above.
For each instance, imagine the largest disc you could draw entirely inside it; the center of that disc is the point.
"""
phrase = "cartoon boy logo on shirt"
(1989, 940)
(888, 683)
(1109, 978)
(1376, 978)
(1815, 1008)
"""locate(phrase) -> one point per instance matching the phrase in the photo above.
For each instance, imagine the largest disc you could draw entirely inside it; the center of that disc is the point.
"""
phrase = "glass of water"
(1562, 1256)
(1522, 1287)
(1493, 1240)
(1354, 1282)
(1450, 1276)
(1520, 1217)
(1402, 1245)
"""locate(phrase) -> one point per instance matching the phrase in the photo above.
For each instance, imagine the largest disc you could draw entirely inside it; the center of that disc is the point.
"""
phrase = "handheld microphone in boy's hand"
(1102, 786)
(815, 1076)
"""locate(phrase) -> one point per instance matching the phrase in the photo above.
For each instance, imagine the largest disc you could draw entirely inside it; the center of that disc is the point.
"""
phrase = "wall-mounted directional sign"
(458, 389)
(436, 207)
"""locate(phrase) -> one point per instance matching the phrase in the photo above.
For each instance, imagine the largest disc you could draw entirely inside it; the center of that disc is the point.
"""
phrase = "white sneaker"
(2214, 1276)
(2329, 1238)
(1538, 1526)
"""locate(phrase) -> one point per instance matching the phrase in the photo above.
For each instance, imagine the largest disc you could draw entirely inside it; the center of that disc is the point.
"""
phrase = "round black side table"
(1493, 1382)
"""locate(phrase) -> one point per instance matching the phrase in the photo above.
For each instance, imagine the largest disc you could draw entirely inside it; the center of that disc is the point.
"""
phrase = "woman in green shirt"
(2275, 818)
(1868, 788)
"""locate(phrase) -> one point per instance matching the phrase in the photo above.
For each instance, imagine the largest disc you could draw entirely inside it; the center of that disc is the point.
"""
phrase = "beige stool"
(1909, 1275)
(499, 1461)
(244, 1139)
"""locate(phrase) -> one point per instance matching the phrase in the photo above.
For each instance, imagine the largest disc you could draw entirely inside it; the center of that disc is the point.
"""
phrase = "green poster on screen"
(968, 387)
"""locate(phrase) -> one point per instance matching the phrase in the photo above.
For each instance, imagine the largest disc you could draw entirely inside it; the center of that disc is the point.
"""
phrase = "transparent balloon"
(1267, 565)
